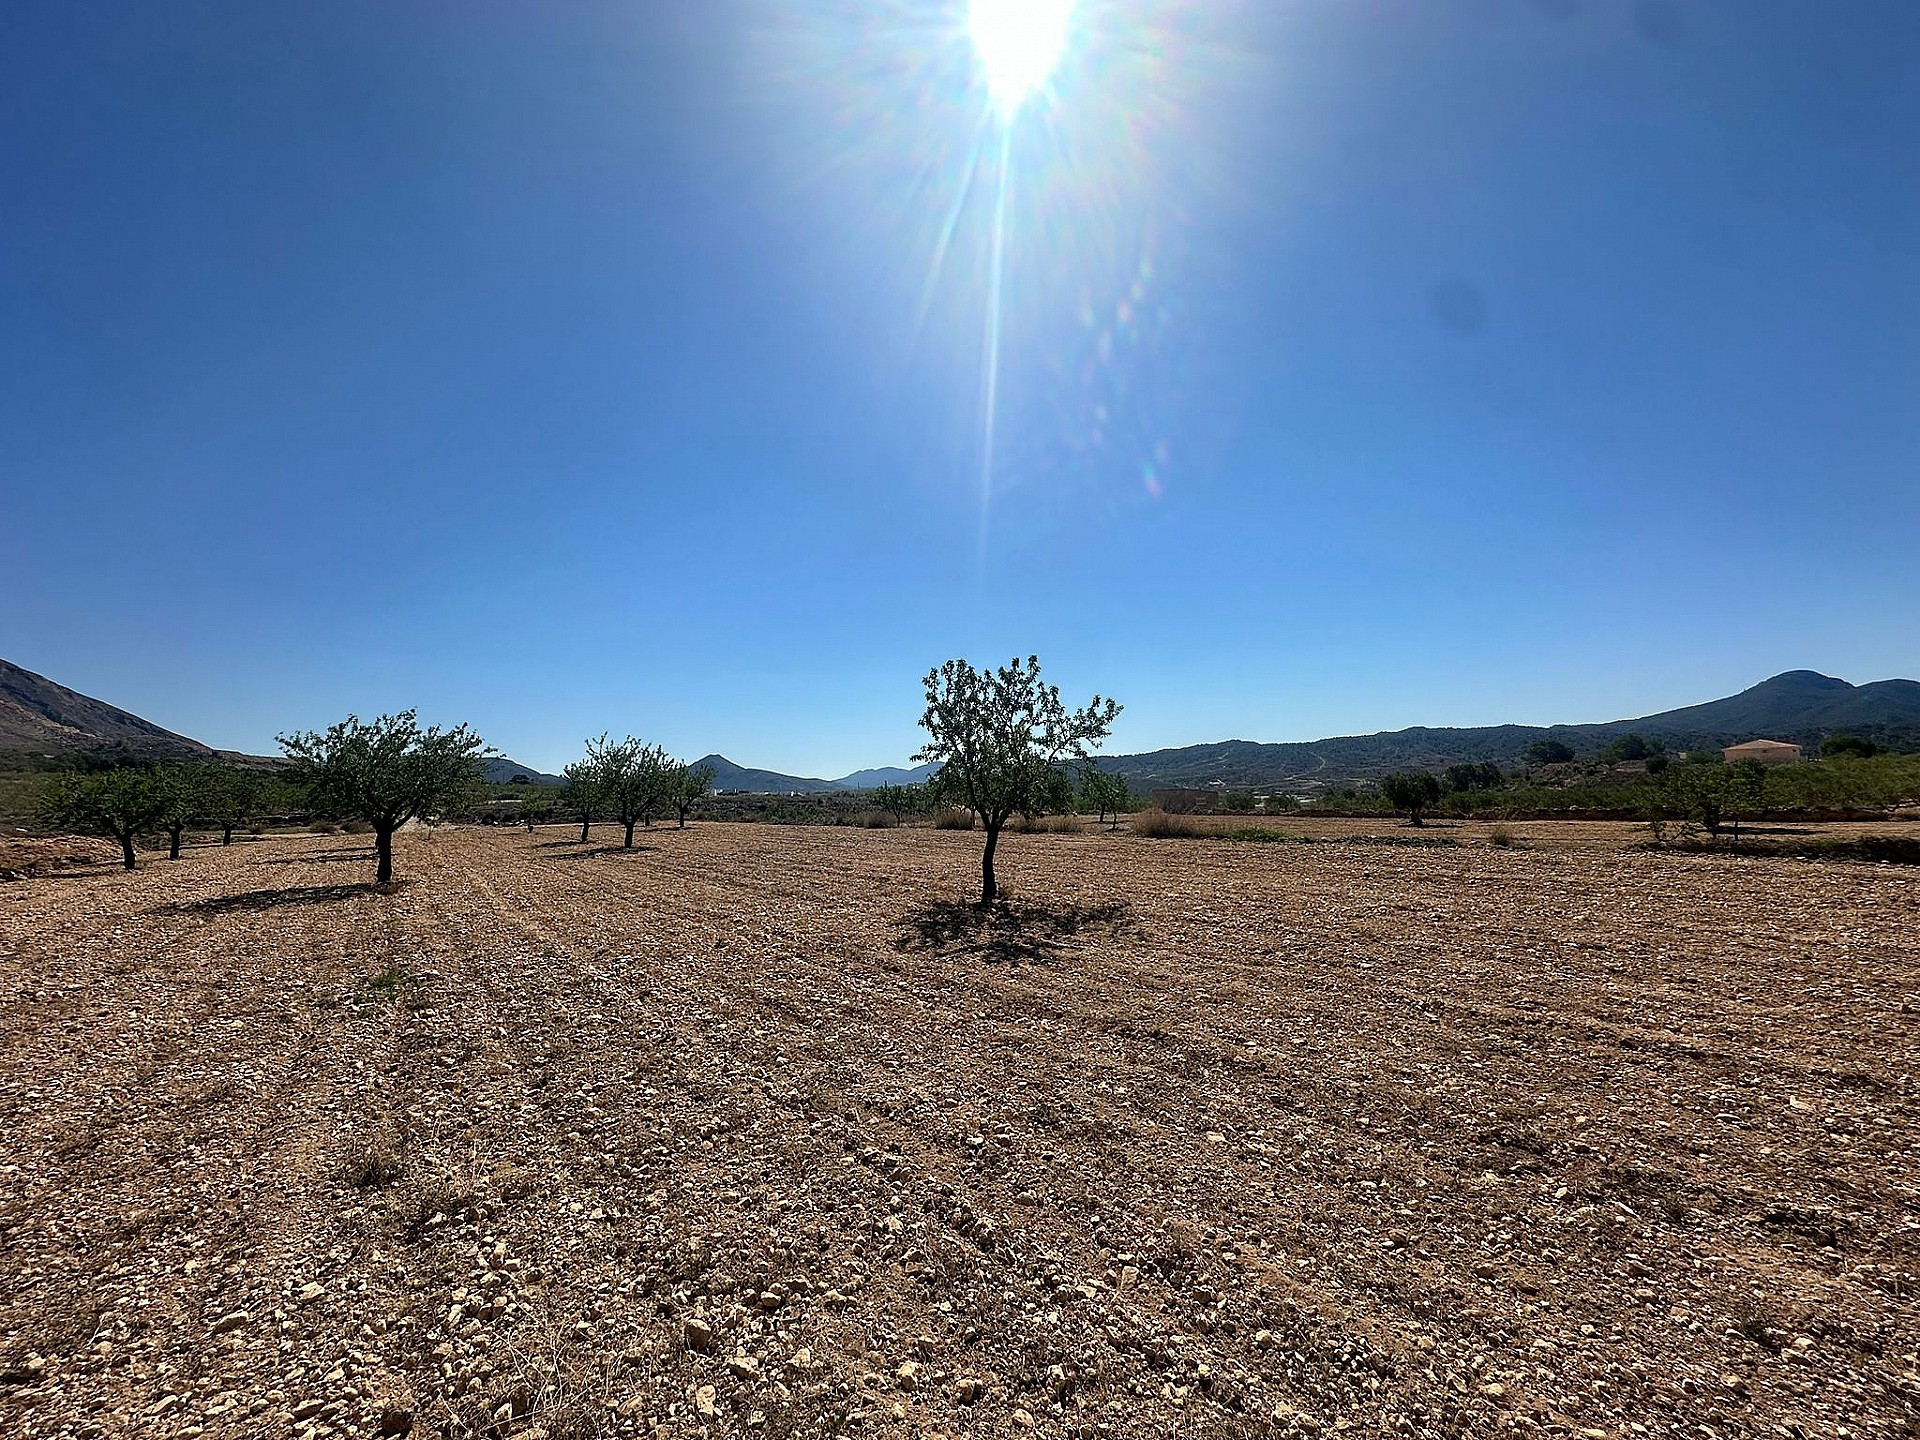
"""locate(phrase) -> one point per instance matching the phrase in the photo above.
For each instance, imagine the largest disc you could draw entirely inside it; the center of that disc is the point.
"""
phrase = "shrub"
(953, 819)
(875, 820)
(1059, 825)
(1411, 792)
(1159, 825)
(1502, 838)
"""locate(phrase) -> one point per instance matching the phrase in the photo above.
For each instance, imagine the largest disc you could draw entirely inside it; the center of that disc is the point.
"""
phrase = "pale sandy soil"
(733, 1135)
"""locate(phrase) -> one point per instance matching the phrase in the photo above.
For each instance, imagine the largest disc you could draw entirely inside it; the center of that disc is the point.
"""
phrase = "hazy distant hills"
(1800, 705)
(729, 776)
(499, 770)
(40, 720)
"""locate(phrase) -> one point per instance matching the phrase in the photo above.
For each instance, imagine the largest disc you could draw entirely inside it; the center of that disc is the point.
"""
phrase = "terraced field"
(754, 1131)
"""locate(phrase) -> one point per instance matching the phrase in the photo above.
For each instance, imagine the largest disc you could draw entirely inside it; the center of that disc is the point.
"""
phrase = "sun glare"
(1019, 42)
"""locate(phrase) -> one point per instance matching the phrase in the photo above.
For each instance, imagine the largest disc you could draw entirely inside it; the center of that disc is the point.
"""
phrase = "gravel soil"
(757, 1131)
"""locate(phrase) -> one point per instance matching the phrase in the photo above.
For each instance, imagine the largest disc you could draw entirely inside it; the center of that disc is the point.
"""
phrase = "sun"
(1019, 42)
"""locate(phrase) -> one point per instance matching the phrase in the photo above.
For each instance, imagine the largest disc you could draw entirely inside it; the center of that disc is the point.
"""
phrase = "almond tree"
(633, 779)
(1000, 736)
(184, 793)
(1104, 791)
(120, 804)
(231, 797)
(580, 793)
(386, 773)
(687, 786)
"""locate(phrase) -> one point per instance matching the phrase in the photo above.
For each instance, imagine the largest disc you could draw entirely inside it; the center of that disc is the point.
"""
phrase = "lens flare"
(1018, 42)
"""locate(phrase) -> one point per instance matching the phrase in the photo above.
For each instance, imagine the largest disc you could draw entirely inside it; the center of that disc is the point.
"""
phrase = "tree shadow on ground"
(588, 852)
(1009, 933)
(273, 899)
(324, 857)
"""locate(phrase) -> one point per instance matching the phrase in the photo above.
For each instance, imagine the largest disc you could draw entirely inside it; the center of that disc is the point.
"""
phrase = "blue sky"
(601, 366)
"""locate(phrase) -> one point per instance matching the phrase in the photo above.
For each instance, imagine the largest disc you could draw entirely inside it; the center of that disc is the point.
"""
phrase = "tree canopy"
(386, 772)
(120, 804)
(1000, 737)
(1411, 792)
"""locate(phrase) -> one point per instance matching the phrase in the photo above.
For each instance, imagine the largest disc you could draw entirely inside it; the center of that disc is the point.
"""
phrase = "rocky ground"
(752, 1132)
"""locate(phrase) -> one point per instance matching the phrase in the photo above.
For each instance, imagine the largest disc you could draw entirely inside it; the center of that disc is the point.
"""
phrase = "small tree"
(999, 735)
(633, 780)
(1547, 752)
(1104, 792)
(120, 804)
(534, 807)
(1699, 793)
(231, 797)
(185, 792)
(899, 801)
(1746, 790)
(687, 786)
(1411, 792)
(580, 790)
(386, 773)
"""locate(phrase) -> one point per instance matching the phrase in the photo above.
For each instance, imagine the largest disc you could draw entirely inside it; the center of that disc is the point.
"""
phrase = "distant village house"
(1767, 752)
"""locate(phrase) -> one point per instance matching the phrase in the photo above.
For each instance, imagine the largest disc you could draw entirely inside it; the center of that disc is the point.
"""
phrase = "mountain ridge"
(44, 720)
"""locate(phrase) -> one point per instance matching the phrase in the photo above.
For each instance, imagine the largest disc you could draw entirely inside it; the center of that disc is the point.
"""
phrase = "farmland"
(756, 1130)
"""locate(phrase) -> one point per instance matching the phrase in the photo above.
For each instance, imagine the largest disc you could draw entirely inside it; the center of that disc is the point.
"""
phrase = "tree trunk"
(683, 819)
(585, 826)
(383, 848)
(629, 825)
(989, 892)
(126, 850)
(173, 842)
(226, 834)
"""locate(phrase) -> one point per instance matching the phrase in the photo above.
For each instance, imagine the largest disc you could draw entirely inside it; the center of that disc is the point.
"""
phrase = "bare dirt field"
(746, 1133)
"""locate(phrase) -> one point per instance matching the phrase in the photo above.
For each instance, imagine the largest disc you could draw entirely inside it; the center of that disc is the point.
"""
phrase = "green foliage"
(536, 805)
(1002, 737)
(1485, 775)
(386, 773)
(1835, 747)
(899, 801)
(687, 786)
(1547, 752)
(635, 779)
(1104, 793)
(231, 797)
(580, 791)
(1711, 795)
(1632, 747)
(1412, 793)
(120, 804)
(1280, 802)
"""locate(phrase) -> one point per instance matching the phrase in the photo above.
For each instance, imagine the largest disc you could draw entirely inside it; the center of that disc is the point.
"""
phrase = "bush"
(1502, 838)
(952, 819)
(874, 820)
(1060, 825)
(1159, 825)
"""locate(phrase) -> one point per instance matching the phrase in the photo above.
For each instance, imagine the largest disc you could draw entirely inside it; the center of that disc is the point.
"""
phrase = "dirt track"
(737, 1134)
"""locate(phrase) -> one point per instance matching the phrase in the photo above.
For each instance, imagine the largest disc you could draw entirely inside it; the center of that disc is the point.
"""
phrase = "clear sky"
(623, 366)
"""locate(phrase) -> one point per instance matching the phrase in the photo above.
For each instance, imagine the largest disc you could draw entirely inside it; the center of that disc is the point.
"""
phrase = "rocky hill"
(39, 719)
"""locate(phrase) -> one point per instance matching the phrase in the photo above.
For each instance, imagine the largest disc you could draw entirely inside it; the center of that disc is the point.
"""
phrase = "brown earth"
(747, 1133)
